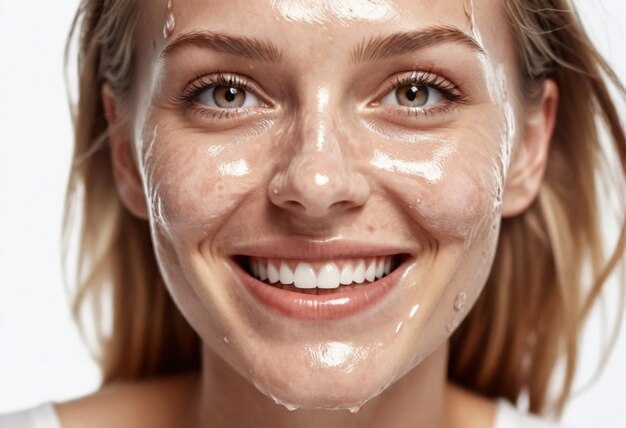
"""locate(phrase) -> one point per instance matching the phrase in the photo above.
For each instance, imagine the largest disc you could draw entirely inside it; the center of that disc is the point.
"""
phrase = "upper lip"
(317, 250)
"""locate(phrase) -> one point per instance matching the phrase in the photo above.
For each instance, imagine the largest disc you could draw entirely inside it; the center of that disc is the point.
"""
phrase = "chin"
(331, 391)
(320, 386)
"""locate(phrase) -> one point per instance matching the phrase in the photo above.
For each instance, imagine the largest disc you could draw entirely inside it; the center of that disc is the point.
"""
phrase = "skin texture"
(326, 155)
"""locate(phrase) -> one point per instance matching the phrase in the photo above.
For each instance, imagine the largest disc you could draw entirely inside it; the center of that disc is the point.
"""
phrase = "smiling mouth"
(321, 276)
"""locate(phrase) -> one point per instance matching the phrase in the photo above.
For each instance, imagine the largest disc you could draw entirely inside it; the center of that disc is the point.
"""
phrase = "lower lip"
(337, 305)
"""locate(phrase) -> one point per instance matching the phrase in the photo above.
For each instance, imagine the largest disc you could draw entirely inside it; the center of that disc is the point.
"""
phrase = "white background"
(41, 354)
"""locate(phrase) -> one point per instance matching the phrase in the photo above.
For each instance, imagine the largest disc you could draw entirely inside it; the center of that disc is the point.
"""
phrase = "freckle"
(220, 187)
(370, 228)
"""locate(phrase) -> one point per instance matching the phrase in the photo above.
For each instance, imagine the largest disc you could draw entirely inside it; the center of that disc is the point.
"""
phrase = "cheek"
(463, 202)
(457, 191)
(193, 183)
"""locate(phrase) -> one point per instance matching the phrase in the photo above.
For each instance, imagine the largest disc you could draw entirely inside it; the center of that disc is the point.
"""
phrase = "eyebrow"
(247, 47)
(386, 46)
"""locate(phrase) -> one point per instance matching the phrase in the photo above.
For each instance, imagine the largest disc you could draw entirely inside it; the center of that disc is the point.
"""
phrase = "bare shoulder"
(468, 409)
(152, 403)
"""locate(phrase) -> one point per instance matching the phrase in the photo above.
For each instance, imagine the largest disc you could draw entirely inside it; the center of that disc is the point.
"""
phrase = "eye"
(413, 95)
(227, 97)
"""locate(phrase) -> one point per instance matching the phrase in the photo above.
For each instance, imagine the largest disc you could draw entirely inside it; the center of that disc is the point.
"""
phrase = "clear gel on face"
(321, 162)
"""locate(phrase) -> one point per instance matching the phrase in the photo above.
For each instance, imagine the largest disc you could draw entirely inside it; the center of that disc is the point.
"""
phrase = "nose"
(318, 180)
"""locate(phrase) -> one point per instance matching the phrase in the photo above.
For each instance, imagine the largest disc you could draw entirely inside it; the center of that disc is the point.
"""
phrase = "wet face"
(324, 180)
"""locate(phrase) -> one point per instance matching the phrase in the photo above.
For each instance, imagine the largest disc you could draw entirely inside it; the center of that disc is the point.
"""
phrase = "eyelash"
(204, 82)
(449, 91)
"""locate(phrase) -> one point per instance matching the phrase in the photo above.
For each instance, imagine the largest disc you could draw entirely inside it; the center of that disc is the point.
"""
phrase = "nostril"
(294, 205)
(343, 205)
(336, 206)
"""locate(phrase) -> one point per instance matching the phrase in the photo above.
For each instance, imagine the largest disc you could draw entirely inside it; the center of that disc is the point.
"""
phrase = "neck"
(226, 399)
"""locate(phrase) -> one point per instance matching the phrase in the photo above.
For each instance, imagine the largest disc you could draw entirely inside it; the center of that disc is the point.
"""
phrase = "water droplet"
(451, 326)
(169, 25)
(226, 340)
(290, 407)
(459, 303)
(354, 409)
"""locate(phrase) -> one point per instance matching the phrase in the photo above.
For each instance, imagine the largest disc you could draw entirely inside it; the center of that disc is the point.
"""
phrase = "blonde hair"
(532, 309)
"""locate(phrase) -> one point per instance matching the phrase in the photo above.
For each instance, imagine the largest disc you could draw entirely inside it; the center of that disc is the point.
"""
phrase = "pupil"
(411, 93)
(231, 94)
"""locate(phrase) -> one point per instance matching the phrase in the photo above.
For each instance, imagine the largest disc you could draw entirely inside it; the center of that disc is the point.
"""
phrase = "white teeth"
(380, 268)
(286, 275)
(304, 276)
(262, 271)
(359, 273)
(347, 274)
(329, 276)
(370, 273)
(272, 274)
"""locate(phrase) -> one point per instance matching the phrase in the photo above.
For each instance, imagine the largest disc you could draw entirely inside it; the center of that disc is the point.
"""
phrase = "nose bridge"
(318, 139)
(318, 178)
(315, 131)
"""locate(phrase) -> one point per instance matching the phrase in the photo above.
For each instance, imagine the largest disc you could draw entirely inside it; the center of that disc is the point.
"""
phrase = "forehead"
(296, 25)
(321, 12)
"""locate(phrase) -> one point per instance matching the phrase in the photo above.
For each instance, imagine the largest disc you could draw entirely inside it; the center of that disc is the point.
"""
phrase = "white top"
(44, 416)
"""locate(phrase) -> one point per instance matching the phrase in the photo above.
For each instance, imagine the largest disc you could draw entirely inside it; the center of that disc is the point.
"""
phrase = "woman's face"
(318, 143)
